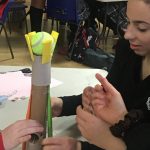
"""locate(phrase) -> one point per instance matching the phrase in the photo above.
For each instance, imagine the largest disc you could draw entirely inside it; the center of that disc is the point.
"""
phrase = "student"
(108, 105)
(17, 133)
(36, 14)
(37, 8)
(130, 75)
(108, 108)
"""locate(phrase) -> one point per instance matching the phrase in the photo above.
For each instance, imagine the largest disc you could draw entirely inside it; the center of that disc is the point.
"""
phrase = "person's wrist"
(60, 106)
(121, 117)
(115, 143)
(57, 104)
(78, 145)
(130, 120)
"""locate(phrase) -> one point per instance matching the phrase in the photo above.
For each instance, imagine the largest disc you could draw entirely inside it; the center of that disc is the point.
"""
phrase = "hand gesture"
(61, 143)
(92, 128)
(107, 104)
(97, 131)
(19, 132)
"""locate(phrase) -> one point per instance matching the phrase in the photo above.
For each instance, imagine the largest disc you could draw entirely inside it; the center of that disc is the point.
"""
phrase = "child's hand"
(19, 132)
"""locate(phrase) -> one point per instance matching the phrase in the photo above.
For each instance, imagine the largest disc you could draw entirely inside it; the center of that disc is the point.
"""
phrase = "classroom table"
(74, 80)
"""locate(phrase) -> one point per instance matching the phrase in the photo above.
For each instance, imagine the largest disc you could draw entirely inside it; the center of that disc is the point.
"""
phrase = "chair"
(19, 6)
(67, 11)
(3, 20)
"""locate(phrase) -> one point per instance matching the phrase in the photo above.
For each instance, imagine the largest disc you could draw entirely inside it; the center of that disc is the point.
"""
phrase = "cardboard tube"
(39, 96)
(40, 72)
(39, 103)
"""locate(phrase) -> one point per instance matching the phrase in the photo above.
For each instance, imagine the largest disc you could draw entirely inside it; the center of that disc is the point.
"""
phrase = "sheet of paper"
(17, 86)
(55, 83)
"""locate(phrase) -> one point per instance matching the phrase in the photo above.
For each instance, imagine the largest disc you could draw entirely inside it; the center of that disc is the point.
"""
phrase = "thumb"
(106, 85)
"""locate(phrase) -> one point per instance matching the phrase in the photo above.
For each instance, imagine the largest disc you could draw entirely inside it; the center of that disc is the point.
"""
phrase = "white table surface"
(74, 81)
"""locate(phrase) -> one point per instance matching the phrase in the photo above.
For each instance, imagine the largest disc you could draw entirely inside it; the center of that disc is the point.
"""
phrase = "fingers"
(99, 104)
(87, 93)
(21, 124)
(59, 143)
(51, 144)
(86, 99)
(24, 139)
(87, 90)
(98, 92)
(24, 129)
(83, 115)
(106, 85)
(51, 147)
(81, 128)
(51, 141)
(46, 141)
(99, 97)
(85, 121)
(29, 126)
(30, 130)
(99, 87)
(81, 120)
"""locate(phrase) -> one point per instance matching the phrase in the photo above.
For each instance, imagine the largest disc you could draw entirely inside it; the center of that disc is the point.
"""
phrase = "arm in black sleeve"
(70, 104)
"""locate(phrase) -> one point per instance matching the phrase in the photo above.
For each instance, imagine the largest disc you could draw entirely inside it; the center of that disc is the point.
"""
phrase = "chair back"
(66, 10)
(6, 11)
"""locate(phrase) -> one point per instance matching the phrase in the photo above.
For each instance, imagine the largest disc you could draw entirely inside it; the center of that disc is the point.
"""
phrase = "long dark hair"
(147, 1)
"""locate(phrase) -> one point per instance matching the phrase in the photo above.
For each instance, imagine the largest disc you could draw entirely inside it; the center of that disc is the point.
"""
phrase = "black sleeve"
(88, 146)
(70, 104)
(138, 138)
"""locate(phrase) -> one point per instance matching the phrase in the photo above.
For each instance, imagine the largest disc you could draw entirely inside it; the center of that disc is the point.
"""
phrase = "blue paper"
(3, 98)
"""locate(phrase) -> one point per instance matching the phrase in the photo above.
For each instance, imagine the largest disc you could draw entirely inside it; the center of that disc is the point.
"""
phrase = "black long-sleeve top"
(125, 76)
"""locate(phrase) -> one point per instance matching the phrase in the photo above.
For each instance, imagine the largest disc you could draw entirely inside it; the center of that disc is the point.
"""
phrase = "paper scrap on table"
(55, 83)
(17, 86)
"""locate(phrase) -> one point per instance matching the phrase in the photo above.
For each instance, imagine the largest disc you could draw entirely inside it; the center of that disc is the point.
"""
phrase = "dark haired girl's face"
(138, 30)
